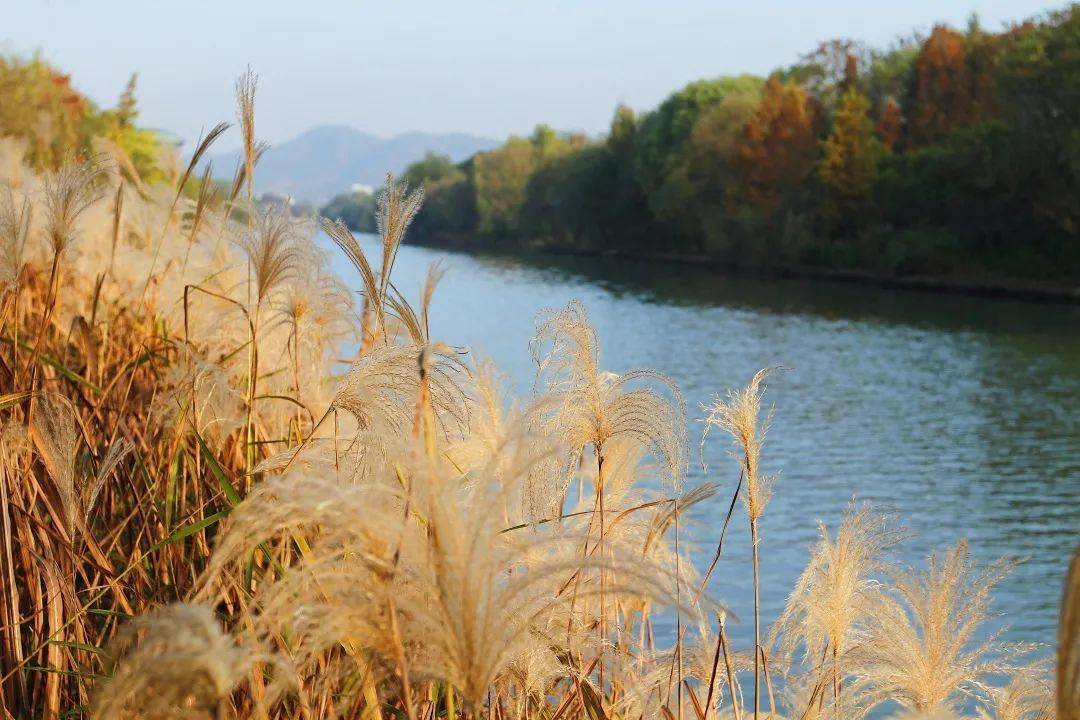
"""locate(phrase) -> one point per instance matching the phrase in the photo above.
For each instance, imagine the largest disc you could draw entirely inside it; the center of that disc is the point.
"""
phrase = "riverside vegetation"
(952, 154)
(205, 513)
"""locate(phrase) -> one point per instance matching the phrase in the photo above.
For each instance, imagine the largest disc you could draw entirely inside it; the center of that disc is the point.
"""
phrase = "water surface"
(958, 414)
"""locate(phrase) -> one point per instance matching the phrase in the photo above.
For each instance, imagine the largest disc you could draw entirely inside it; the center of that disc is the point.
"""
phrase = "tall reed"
(740, 416)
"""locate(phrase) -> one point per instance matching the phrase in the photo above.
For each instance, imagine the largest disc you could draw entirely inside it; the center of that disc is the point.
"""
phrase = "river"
(957, 414)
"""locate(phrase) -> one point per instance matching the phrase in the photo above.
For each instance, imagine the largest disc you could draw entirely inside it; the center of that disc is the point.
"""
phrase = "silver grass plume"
(55, 432)
(271, 246)
(739, 414)
(922, 651)
(1029, 695)
(14, 231)
(832, 608)
(591, 407)
(472, 599)
(245, 115)
(171, 663)
(69, 192)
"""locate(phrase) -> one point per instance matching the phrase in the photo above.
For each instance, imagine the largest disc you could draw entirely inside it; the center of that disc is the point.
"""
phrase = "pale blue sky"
(490, 68)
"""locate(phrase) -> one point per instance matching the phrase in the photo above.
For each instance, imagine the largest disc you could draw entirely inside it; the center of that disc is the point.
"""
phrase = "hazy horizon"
(480, 68)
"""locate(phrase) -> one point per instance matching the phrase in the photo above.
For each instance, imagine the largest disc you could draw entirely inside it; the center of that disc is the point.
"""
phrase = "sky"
(487, 68)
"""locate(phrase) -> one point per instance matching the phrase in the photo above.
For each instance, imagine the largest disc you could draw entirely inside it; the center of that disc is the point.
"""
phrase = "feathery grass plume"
(14, 231)
(374, 307)
(921, 652)
(270, 243)
(69, 192)
(834, 603)
(207, 195)
(201, 147)
(1068, 649)
(591, 407)
(204, 389)
(1029, 695)
(939, 714)
(482, 599)
(396, 208)
(271, 246)
(594, 408)
(245, 116)
(489, 424)
(114, 455)
(740, 416)
(501, 441)
(173, 662)
(55, 431)
(416, 323)
(380, 392)
(472, 601)
(316, 310)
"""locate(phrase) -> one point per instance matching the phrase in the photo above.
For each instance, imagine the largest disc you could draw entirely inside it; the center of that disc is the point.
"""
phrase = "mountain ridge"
(327, 160)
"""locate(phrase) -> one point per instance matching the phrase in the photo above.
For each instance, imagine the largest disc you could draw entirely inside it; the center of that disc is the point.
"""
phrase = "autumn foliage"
(949, 153)
(779, 146)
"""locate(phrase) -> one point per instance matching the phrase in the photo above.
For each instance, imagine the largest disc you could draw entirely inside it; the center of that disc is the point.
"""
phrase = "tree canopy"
(955, 152)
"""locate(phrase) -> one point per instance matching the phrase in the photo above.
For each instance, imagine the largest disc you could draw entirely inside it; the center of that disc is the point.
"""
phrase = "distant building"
(361, 189)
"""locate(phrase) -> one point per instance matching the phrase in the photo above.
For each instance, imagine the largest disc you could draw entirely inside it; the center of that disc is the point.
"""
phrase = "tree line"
(954, 153)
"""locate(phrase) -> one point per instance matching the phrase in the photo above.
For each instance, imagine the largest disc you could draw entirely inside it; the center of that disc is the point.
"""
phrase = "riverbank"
(1038, 291)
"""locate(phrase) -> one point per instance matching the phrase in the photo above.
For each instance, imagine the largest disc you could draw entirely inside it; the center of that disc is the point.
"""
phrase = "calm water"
(958, 414)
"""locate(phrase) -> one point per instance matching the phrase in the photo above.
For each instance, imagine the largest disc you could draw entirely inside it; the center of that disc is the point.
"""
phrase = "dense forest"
(954, 153)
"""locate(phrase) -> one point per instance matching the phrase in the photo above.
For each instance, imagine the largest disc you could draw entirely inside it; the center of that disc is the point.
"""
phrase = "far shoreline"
(1028, 290)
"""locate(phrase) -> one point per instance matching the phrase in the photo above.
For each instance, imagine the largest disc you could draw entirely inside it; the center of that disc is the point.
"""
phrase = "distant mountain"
(328, 160)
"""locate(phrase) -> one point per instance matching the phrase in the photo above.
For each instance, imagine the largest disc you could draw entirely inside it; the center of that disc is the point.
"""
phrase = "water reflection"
(690, 285)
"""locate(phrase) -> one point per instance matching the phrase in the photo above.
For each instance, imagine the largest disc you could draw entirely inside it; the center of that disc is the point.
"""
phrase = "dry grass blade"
(201, 147)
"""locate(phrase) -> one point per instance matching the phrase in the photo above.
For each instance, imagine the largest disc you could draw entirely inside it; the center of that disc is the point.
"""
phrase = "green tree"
(848, 167)
(499, 180)
(500, 177)
(141, 147)
(126, 110)
(664, 152)
(356, 210)
(432, 169)
(710, 172)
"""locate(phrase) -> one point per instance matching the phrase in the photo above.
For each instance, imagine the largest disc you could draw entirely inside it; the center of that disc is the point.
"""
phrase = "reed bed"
(208, 511)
